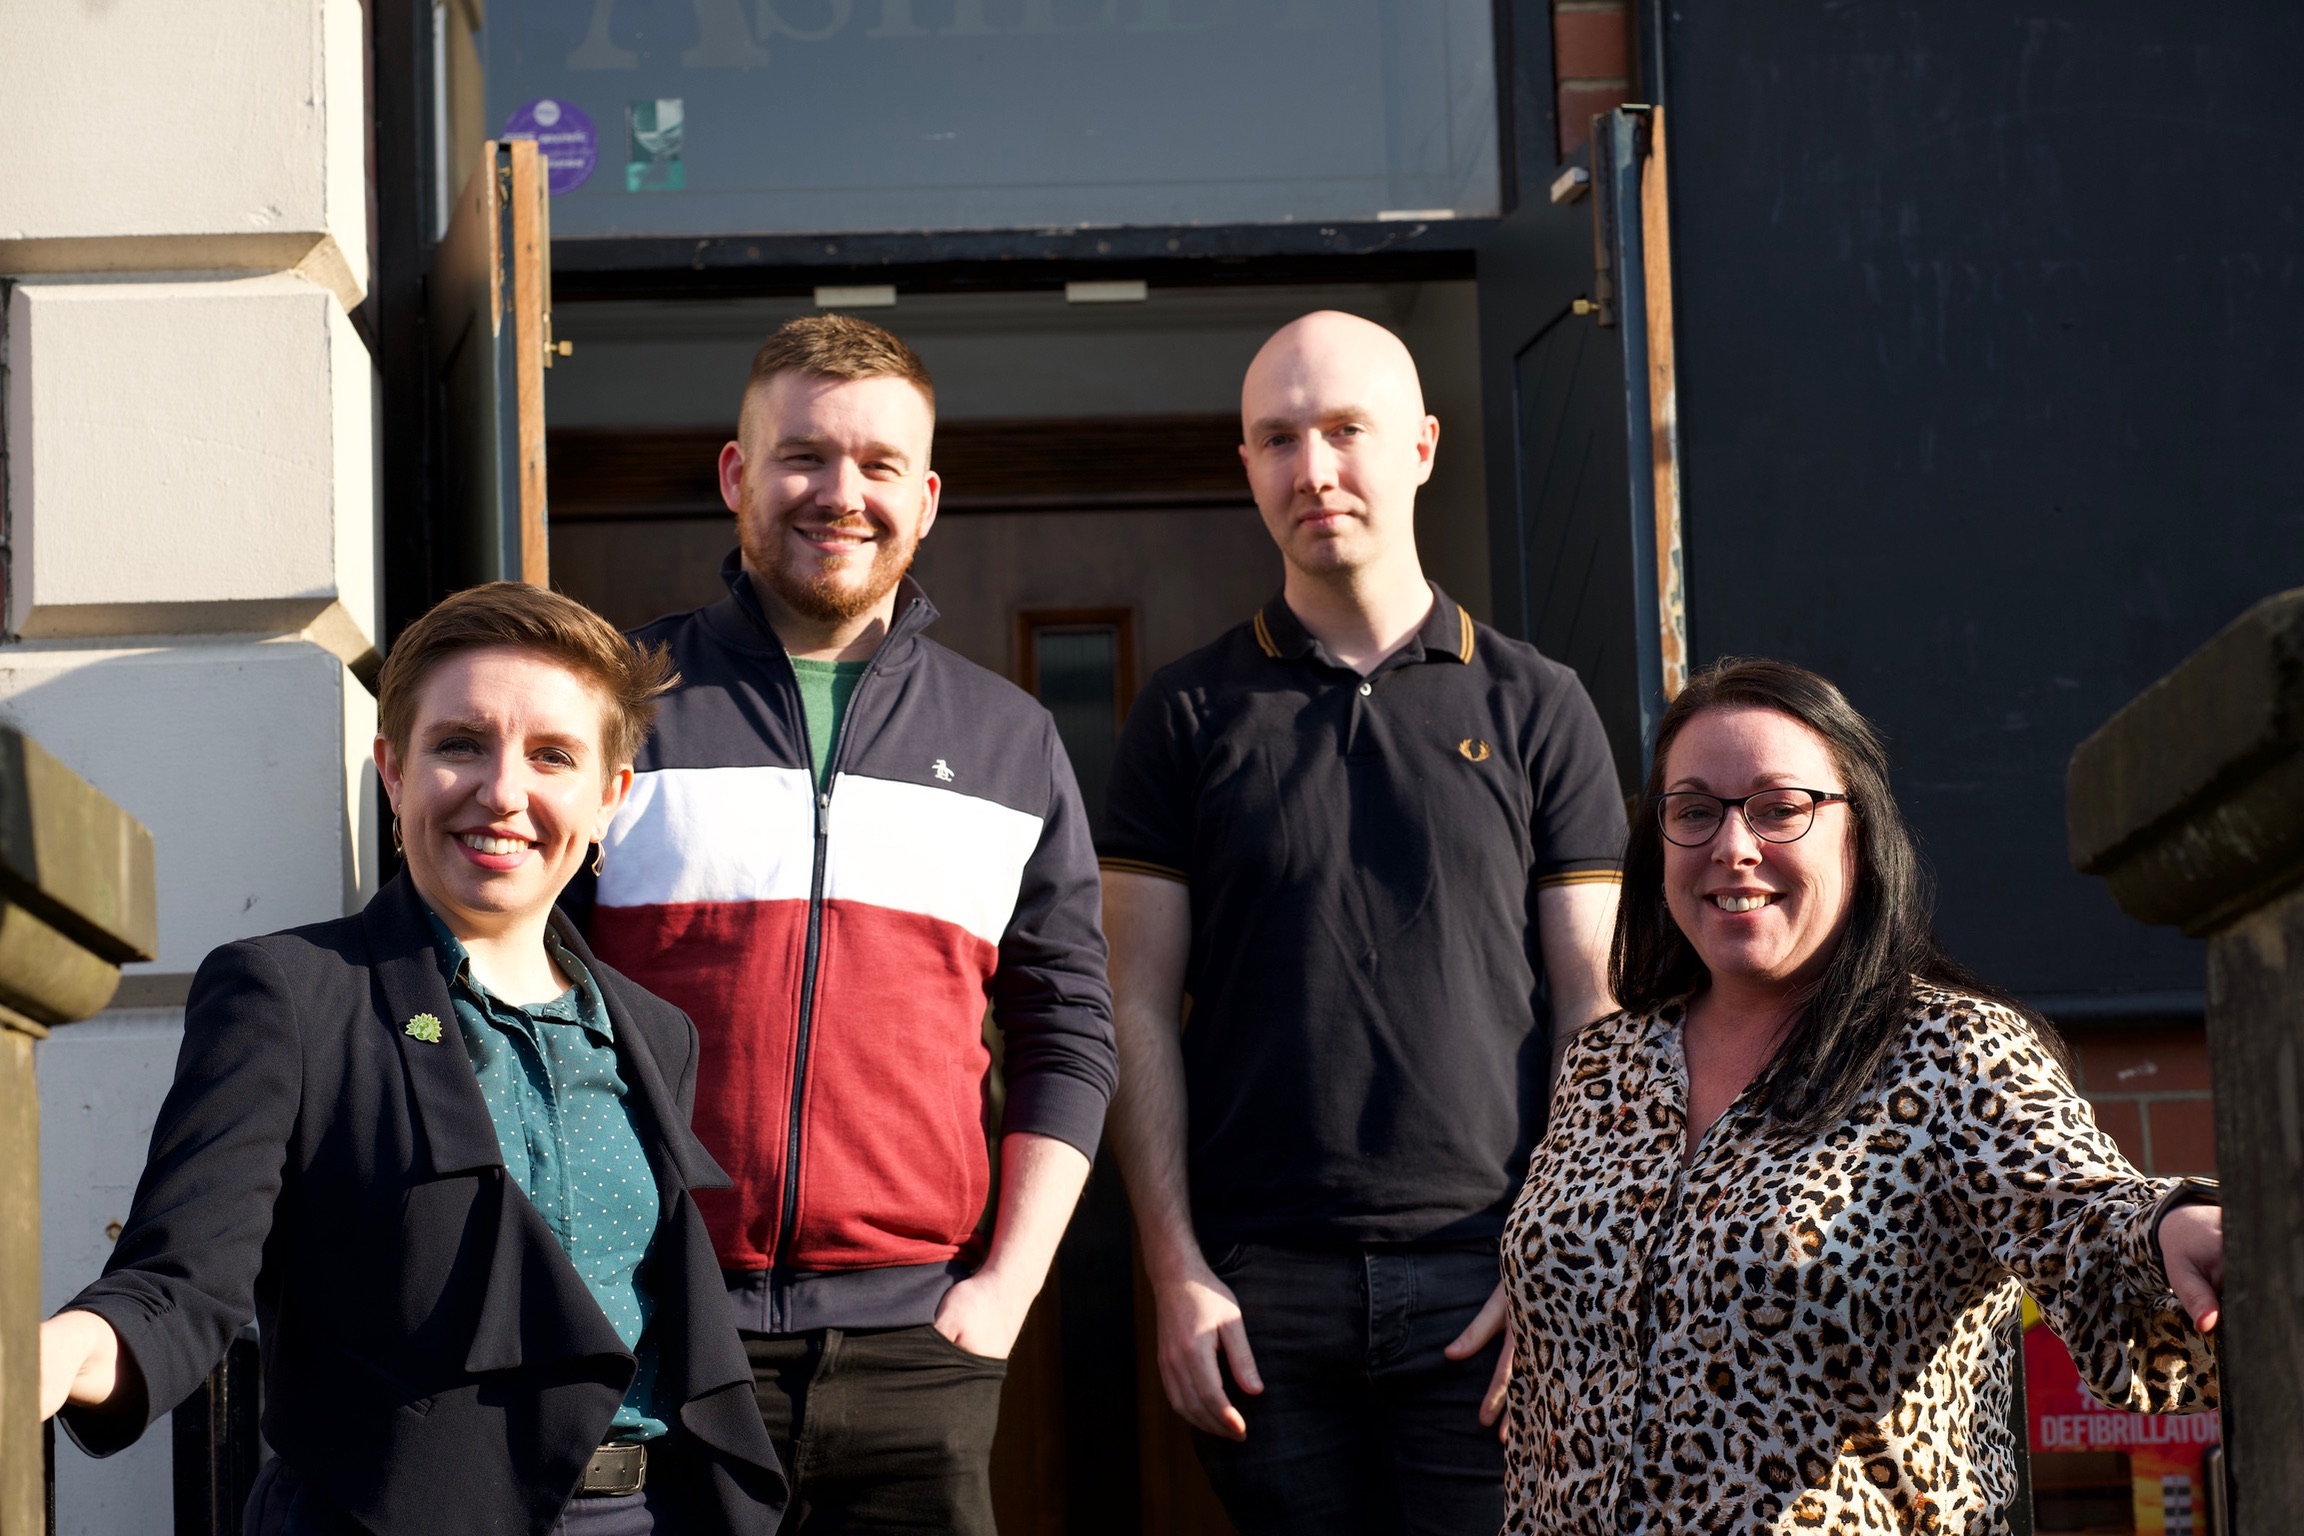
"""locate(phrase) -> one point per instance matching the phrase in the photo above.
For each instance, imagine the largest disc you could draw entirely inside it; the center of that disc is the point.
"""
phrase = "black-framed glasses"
(1691, 818)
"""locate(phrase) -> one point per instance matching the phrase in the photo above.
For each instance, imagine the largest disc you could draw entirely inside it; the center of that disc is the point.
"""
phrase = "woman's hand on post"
(1487, 1325)
(79, 1362)
(1200, 1318)
(2192, 1251)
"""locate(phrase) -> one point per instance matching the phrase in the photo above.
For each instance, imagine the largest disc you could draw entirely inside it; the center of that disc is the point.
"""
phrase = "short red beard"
(802, 583)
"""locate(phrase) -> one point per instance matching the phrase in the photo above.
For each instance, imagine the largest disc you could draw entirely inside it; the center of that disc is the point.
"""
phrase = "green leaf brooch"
(424, 1027)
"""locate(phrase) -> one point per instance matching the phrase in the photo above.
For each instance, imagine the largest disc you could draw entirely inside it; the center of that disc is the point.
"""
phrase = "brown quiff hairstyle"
(517, 616)
(839, 347)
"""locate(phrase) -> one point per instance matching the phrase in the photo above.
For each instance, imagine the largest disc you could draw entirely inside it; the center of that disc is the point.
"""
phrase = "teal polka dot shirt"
(558, 1100)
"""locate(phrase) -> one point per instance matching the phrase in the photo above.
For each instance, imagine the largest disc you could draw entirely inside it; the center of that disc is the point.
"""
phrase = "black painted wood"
(1526, 104)
(931, 261)
(407, 455)
(1561, 554)
(217, 1444)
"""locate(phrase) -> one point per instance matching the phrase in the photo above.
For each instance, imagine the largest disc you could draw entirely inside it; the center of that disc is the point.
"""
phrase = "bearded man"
(842, 842)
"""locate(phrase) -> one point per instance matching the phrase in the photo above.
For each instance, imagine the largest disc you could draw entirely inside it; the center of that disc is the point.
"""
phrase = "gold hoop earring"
(599, 858)
(397, 845)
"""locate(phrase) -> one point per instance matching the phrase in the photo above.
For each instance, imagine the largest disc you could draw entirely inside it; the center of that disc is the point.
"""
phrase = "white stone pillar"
(189, 525)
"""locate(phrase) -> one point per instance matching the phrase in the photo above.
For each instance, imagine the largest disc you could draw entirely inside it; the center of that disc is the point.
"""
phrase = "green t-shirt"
(824, 690)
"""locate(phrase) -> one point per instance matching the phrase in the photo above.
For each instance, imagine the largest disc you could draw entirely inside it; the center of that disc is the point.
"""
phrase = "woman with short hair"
(442, 1154)
(1768, 1255)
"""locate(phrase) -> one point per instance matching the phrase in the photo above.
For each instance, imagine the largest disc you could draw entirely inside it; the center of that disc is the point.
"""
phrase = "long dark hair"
(1854, 1018)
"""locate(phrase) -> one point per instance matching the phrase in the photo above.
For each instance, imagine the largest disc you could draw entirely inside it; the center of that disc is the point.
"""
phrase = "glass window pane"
(695, 117)
(1078, 673)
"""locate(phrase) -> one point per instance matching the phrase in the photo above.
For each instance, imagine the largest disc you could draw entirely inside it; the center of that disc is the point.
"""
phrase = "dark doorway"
(1080, 663)
(1564, 560)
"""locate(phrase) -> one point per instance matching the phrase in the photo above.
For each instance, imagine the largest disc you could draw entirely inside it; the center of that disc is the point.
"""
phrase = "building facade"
(1925, 355)
(190, 526)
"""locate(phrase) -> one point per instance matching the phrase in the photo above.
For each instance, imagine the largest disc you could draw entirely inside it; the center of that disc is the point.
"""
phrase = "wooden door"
(1066, 1460)
(489, 307)
(1088, 1445)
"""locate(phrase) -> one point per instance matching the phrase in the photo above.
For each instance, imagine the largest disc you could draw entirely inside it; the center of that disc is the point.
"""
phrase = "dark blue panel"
(1989, 323)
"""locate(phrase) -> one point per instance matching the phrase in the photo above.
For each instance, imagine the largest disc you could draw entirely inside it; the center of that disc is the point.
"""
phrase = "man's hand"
(79, 1362)
(2192, 1251)
(1489, 1323)
(982, 1315)
(1200, 1318)
(1040, 1182)
(1149, 921)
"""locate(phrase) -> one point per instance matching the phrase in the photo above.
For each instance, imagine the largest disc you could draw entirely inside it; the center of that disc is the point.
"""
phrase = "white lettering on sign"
(968, 20)
(726, 40)
(723, 40)
(1040, 18)
(896, 21)
(773, 24)
(2125, 1431)
(599, 50)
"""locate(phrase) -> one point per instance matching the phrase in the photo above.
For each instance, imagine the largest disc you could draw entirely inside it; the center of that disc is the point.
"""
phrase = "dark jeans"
(283, 1504)
(1362, 1426)
(880, 1429)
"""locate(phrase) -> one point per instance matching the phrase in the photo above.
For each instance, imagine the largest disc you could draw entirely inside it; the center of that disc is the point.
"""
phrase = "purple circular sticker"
(566, 137)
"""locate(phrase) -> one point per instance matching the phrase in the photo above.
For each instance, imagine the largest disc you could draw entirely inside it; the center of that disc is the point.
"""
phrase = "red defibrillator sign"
(2082, 1453)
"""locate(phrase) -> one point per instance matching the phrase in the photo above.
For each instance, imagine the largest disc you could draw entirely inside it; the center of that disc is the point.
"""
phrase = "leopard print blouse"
(1812, 1336)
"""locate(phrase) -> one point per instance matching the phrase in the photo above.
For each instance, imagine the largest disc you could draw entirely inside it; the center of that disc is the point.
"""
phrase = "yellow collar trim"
(1264, 636)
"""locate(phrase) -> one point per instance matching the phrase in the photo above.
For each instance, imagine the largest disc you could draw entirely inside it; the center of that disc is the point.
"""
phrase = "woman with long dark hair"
(1767, 1256)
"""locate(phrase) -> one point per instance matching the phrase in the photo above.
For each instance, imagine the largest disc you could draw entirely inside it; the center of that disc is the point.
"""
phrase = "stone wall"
(189, 523)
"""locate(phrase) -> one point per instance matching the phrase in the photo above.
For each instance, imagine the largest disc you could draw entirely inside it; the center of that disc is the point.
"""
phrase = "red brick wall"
(2150, 1089)
(1591, 64)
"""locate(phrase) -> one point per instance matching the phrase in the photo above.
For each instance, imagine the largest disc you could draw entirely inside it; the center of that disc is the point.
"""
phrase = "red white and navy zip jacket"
(837, 951)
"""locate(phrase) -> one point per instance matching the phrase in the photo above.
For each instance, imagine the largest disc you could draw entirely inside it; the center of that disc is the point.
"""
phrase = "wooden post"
(489, 302)
(22, 1479)
(2190, 803)
(76, 900)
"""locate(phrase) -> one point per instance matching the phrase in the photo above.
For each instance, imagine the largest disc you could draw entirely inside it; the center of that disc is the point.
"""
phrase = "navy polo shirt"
(1362, 1050)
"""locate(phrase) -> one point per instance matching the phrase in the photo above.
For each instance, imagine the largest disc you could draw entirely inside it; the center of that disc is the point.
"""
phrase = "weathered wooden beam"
(2190, 801)
(76, 887)
(22, 1475)
(2190, 804)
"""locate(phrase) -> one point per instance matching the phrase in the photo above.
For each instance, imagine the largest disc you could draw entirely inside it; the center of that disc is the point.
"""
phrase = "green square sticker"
(653, 131)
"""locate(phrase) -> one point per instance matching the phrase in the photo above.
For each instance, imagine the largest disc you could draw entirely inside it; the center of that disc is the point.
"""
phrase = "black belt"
(615, 1470)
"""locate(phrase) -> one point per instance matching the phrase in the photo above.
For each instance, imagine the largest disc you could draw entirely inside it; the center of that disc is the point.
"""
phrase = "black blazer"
(432, 1362)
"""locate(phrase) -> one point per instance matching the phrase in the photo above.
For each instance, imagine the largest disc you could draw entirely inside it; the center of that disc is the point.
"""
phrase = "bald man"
(1356, 854)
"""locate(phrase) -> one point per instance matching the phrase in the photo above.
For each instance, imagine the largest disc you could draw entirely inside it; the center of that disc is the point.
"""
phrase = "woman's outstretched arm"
(2056, 1204)
(181, 1281)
